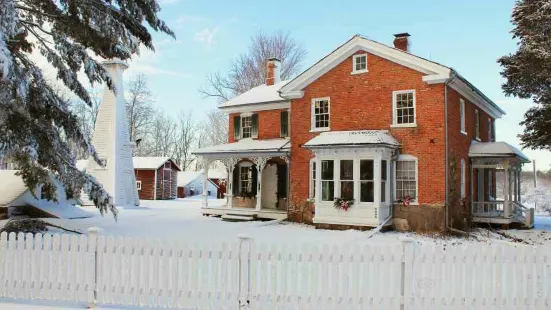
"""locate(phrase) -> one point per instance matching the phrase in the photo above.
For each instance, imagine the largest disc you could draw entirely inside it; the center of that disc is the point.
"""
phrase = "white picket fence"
(246, 275)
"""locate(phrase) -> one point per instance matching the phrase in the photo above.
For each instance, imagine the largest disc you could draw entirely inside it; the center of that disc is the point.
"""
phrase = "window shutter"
(254, 126)
(254, 181)
(284, 124)
(235, 184)
(237, 127)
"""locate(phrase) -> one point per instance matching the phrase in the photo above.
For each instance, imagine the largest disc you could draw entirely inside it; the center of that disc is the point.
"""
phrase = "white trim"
(139, 185)
(489, 129)
(355, 62)
(257, 107)
(313, 127)
(310, 179)
(477, 124)
(394, 110)
(358, 43)
(407, 157)
(462, 116)
(464, 90)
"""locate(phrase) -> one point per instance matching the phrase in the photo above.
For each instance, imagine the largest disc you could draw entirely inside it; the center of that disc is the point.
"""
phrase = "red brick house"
(156, 177)
(397, 135)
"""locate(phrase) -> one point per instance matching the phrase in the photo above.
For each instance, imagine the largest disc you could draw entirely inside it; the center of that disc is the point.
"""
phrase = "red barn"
(156, 177)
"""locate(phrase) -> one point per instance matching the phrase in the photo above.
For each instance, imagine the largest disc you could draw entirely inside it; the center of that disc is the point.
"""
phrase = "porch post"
(506, 192)
(515, 182)
(260, 163)
(519, 171)
(471, 179)
(206, 164)
(317, 194)
(230, 166)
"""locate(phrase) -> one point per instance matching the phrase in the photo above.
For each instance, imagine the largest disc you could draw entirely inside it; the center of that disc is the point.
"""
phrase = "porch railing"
(489, 208)
(522, 213)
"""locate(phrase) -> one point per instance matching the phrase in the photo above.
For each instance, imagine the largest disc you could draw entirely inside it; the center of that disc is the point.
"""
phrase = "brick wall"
(364, 101)
(458, 148)
(269, 124)
(148, 183)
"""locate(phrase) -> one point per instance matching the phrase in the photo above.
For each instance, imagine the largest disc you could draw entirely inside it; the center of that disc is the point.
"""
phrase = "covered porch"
(493, 164)
(258, 179)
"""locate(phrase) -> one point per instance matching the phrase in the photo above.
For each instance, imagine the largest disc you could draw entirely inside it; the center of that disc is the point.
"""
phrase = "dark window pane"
(327, 190)
(366, 169)
(383, 170)
(347, 190)
(327, 170)
(347, 169)
(367, 192)
(383, 191)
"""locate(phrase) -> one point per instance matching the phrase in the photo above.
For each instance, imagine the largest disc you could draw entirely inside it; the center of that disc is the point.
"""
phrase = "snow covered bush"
(25, 226)
(539, 197)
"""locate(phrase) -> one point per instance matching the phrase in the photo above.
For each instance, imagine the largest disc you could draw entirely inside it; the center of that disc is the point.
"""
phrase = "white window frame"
(312, 180)
(463, 171)
(335, 179)
(490, 130)
(245, 115)
(462, 116)
(359, 180)
(407, 157)
(477, 124)
(139, 185)
(395, 110)
(355, 62)
(244, 164)
(313, 115)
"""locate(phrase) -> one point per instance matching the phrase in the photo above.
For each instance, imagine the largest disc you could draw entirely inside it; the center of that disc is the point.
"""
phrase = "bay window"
(383, 180)
(367, 184)
(327, 180)
(313, 178)
(347, 179)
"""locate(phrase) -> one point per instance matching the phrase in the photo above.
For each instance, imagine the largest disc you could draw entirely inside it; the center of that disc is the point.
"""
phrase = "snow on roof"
(221, 174)
(82, 164)
(151, 162)
(246, 146)
(260, 94)
(360, 137)
(186, 177)
(495, 149)
(12, 186)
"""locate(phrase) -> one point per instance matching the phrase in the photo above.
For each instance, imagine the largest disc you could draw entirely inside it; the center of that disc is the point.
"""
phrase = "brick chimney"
(273, 71)
(401, 41)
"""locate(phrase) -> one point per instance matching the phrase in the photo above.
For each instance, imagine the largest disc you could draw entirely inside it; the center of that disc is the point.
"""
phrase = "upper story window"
(462, 115)
(320, 114)
(245, 126)
(284, 122)
(403, 108)
(406, 178)
(490, 130)
(477, 124)
(359, 63)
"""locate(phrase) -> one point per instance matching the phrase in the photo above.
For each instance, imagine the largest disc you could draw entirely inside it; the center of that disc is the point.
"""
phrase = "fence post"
(93, 244)
(405, 271)
(244, 270)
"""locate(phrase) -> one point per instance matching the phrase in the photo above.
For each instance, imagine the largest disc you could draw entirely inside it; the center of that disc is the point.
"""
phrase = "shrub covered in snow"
(25, 226)
(540, 197)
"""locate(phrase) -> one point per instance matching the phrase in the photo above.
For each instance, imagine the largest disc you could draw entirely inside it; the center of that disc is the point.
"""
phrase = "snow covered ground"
(182, 220)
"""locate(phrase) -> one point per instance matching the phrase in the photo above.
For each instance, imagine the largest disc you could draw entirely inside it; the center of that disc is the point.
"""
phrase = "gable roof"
(152, 163)
(186, 177)
(434, 72)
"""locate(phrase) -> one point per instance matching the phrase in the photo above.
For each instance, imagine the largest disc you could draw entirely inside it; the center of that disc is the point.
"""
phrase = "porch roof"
(247, 147)
(496, 150)
(352, 138)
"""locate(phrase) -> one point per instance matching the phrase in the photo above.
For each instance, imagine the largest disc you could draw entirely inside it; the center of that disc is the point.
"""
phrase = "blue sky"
(469, 36)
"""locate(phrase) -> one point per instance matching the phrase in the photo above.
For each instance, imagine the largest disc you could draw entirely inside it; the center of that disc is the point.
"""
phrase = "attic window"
(167, 165)
(359, 64)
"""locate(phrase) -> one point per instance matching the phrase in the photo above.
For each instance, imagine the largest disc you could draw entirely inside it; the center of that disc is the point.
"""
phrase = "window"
(359, 63)
(403, 108)
(246, 126)
(383, 180)
(491, 184)
(477, 124)
(463, 171)
(245, 179)
(490, 134)
(312, 178)
(462, 115)
(167, 165)
(367, 188)
(406, 177)
(347, 179)
(327, 180)
(139, 185)
(320, 114)
(284, 121)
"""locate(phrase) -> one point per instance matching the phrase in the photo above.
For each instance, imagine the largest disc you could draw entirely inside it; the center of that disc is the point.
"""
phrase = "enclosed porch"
(258, 182)
(495, 176)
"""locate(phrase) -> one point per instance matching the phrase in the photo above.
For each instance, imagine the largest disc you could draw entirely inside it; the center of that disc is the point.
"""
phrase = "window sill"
(320, 129)
(359, 72)
(403, 125)
(463, 132)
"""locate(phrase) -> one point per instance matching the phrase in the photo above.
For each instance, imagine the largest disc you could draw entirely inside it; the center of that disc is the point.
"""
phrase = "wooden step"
(238, 217)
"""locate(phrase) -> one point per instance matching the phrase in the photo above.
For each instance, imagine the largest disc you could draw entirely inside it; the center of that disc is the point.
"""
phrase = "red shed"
(156, 177)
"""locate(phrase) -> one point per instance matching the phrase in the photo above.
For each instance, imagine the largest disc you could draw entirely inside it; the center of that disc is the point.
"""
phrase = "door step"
(238, 217)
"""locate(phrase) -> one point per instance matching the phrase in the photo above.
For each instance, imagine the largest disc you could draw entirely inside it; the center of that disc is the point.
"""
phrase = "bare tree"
(87, 115)
(163, 136)
(249, 69)
(140, 112)
(216, 128)
(185, 137)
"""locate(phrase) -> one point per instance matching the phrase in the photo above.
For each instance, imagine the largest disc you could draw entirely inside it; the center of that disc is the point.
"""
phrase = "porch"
(258, 179)
(493, 164)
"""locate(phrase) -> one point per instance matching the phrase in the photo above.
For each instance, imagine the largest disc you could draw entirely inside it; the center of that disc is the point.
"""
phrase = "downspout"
(450, 80)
